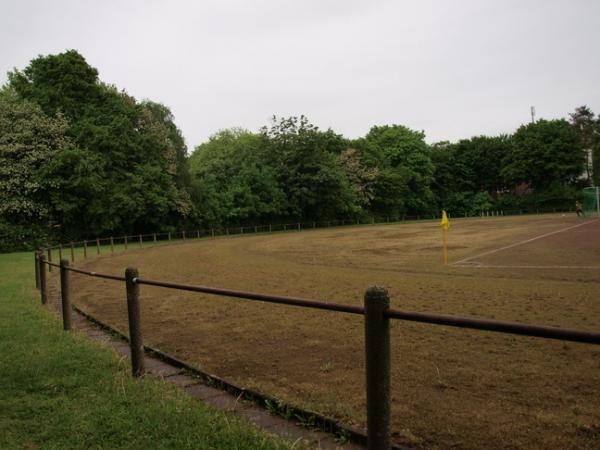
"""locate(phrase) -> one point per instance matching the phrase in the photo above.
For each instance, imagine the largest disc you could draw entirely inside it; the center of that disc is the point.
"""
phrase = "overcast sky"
(451, 68)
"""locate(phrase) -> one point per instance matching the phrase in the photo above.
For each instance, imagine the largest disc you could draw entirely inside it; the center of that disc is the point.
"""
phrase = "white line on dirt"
(521, 243)
(485, 266)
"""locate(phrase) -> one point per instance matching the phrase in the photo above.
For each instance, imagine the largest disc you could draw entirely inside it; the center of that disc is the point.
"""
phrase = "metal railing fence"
(376, 311)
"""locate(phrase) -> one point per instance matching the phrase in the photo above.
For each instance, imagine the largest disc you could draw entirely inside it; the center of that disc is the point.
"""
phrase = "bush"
(22, 237)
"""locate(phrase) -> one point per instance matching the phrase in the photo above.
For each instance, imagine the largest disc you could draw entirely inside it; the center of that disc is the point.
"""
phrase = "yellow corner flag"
(445, 222)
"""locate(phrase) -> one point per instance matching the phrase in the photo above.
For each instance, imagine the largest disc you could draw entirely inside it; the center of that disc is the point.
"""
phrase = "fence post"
(59, 252)
(255, 229)
(197, 234)
(377, 358)
(97, 246)
(298, 226)
(125, 241)
(154, 236)
(183, 234)
(49, 259)
(284, 227)
(72, 252)
(64, 294)
(36, 266)
(241, 230)
(84, 248)
(212, 232)
(169, 235)
(133, 314)
(141, 241)
(43, 285)
(270, 228)
(112, 245)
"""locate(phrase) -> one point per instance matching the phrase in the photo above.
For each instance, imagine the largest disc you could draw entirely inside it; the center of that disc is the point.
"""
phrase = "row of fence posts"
(377, 342)
(125, 238)
(184, 236)
(285, 227)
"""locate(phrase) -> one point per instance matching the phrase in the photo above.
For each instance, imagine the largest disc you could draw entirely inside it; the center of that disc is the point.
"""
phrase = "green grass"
(59, 390)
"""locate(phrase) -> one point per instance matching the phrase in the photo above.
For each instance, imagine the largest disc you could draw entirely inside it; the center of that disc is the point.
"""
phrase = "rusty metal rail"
(541, 331)
(95, 274)
(294, 301)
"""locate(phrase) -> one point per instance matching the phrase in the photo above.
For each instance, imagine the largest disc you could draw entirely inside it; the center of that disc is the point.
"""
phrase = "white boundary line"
(484, 266)
(526, 241)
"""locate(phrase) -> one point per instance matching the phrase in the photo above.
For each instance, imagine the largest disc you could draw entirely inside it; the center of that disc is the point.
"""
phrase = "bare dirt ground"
(451, 387)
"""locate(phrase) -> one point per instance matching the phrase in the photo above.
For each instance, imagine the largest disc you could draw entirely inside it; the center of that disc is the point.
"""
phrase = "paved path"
(210, 395)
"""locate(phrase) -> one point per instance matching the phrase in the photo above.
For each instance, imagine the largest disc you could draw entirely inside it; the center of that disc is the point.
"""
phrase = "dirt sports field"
(452, 388)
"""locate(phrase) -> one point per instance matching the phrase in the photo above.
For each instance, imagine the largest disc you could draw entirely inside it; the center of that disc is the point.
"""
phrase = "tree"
(588, 130)
(362, 177)
(306, 161)
(544, 153)
(233, 181)
(59, 83)
(406, 170)
(28, 141)
(132, 155)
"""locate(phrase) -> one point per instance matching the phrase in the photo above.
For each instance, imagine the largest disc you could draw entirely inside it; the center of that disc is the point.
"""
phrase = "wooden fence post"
(72, 252)
(169, 235)
(133, 314)
(49, 259)
(212, 232)
(36, 266)
(197, 234)
(112, 244)
(141, 241)
(43, 284)
(377, 358)
(183, 234)
(125, 241)
(84, 248)
(97, 246)
(60, 251)
(64, 294)
(154, 236)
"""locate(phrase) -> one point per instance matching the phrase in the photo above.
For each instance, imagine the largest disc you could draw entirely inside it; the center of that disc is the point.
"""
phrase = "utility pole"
(533, 114)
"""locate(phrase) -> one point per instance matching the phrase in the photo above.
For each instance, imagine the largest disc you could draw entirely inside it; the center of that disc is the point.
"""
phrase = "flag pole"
(445, 226)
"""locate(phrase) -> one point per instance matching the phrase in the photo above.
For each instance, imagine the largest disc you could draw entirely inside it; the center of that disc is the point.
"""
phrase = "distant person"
(578, 208)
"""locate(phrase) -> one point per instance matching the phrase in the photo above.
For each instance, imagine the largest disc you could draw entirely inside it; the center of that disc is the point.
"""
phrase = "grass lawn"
(58, 390)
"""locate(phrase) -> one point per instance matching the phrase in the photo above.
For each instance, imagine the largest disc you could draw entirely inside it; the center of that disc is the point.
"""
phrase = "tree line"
(80, 158)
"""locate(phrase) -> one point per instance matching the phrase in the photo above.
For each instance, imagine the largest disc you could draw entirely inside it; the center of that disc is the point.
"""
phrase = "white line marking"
(484, 266)
(523, 242)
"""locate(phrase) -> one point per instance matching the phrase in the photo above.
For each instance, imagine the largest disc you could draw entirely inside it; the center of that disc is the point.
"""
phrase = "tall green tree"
(544, 153)
(233, 181)
(309, 170)
(588, 129)
(29, 140)
(406, 169)
(126, 170)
